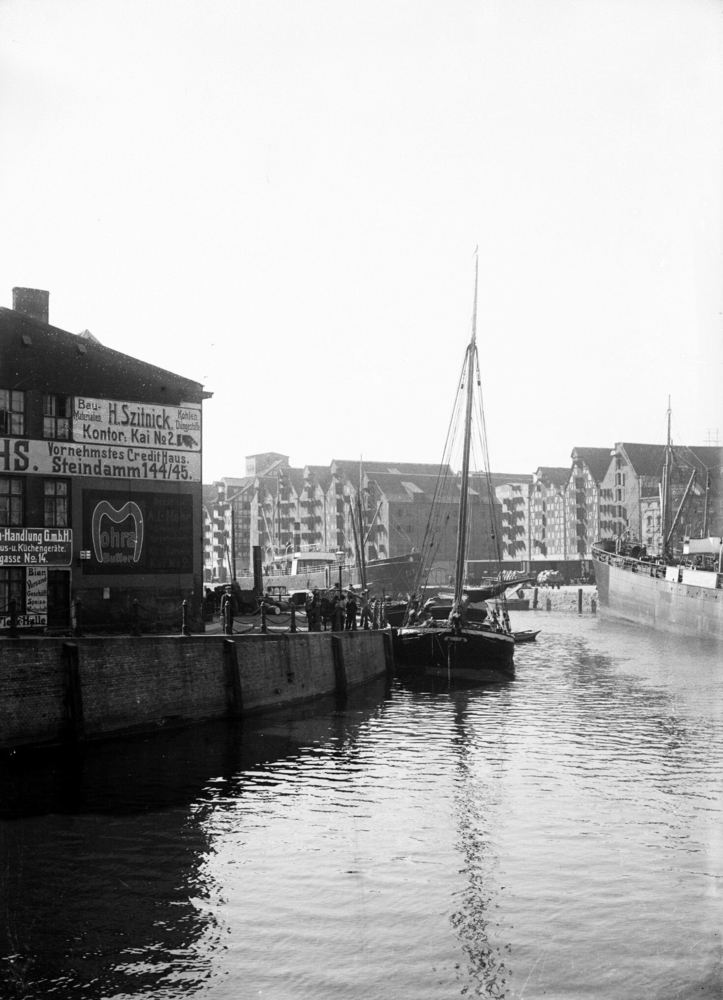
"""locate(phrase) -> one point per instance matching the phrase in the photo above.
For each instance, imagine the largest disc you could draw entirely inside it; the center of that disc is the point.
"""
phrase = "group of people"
(338, 611)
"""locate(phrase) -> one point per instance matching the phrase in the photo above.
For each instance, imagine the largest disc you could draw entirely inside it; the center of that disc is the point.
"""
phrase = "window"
(12, 588)
(56, 513)
(12, 412)
(56, 417)
(11, 501)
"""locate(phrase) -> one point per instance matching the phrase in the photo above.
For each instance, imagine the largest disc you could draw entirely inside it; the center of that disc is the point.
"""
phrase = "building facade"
(100, 476)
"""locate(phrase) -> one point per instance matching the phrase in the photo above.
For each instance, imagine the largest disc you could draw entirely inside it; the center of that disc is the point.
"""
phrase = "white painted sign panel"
(70, 458)
(146, 425)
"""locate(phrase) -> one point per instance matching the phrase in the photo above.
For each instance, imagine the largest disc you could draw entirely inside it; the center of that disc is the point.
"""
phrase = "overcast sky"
(282, 200)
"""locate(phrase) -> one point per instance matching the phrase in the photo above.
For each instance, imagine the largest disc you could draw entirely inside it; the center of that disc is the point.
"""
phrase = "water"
(558, 837)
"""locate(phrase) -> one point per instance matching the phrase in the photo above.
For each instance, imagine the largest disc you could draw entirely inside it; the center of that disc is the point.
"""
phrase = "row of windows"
(56, 502)
(56, 414)
(12, 588)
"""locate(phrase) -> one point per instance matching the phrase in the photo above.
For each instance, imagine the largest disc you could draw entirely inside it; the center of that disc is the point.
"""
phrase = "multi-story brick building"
(100, 474)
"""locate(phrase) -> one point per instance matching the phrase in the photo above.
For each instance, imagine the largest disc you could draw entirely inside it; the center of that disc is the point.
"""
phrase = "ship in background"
(680, 587)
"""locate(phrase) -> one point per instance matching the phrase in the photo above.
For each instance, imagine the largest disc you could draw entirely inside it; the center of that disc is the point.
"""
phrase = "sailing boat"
(463, 649)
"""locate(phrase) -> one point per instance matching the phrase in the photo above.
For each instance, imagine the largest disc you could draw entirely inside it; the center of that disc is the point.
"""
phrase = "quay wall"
(55, 690)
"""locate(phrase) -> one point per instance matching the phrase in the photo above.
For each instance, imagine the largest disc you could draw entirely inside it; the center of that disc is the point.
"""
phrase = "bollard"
(78, 626)
(534, 599)
(185, 630)
(228, 618)
(136, 618)
(548, 604)
(579, 601)
(292, 627)
(593, 606)
(264, 628)
(13, 631)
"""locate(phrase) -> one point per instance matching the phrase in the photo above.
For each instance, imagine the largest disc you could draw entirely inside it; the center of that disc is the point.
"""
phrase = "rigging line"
(441, 488)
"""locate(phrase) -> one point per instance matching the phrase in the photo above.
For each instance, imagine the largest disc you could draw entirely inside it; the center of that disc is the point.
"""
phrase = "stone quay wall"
(55, 690)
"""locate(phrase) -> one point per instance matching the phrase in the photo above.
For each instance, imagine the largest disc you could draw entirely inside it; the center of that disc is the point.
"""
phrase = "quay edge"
(63, 690)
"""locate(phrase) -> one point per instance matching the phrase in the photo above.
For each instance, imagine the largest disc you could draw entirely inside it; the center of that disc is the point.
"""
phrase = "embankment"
(581, 599)
(56, 690)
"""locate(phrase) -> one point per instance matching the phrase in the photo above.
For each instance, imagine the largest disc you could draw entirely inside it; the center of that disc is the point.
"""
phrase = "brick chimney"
(32, 302)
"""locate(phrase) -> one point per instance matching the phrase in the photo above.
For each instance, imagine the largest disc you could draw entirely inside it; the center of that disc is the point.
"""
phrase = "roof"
(393, 468)
(49, 359)
(553, 475)
(597, 460)
(646, 459)
(321, 473)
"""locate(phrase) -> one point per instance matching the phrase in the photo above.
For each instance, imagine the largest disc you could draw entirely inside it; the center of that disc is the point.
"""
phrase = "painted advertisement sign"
(70, 458)
(36, 593)
(36, 546)
(142, 425)
(137, 533)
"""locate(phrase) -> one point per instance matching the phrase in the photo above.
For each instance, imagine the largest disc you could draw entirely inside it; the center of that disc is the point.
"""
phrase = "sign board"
(142, 425)
(36, 592)
(137, 532)
(70, 458)
(36, 546)
(24, 621)
(36, 601)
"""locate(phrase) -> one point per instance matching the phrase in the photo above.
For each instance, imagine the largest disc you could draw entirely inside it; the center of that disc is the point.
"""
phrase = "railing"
(139, 620)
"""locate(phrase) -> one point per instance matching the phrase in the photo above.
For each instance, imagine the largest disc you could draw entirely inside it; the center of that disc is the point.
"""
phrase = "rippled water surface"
(561, 836)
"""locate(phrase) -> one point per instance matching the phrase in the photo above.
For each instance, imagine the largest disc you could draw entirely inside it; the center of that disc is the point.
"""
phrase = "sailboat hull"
(468, 654)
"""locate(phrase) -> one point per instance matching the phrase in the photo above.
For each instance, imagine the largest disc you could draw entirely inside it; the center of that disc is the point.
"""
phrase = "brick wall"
(53, 689)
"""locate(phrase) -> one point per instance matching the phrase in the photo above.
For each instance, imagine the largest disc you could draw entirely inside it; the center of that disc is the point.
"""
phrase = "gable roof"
(49, 359)
(597, 460)
(553, 475)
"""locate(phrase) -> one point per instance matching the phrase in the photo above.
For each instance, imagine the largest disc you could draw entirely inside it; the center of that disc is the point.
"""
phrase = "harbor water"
(560, 836)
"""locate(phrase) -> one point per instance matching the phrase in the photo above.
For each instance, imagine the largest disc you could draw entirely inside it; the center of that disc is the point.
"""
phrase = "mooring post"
(293, 618)
(13, 632)
(74, 727)
(136, 618)
(579, 601)
(534, 599)
(593, 606)
(228, 618)
(78, 618)
(234, 694)
(184, 619)
(264, 629)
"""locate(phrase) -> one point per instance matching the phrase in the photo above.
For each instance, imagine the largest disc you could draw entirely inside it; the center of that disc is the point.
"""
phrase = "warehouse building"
(100, 476)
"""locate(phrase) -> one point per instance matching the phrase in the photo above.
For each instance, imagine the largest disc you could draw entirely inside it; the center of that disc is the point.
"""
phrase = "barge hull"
(656, 602)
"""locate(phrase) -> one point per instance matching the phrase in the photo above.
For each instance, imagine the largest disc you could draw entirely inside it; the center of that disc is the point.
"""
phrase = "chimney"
(32, 302)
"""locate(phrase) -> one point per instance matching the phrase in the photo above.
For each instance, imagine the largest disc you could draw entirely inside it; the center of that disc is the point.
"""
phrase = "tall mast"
(665, 492)
(464, 486)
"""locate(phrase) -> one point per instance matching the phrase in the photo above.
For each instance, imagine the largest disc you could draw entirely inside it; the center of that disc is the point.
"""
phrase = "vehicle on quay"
(550, 578)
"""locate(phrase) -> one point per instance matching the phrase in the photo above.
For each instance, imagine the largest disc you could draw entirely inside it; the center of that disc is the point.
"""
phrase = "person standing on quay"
(351, 612)
(366, 610)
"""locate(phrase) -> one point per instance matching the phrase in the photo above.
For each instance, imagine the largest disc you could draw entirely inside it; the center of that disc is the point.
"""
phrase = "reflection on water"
(557, 836)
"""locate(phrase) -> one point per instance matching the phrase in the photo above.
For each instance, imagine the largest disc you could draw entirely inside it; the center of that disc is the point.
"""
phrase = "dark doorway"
(58, 598)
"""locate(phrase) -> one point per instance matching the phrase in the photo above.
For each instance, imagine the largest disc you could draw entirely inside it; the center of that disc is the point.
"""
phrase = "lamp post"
(340, 561)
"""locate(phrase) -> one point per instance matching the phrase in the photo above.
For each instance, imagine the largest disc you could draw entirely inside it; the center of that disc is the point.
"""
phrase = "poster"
(137, 532)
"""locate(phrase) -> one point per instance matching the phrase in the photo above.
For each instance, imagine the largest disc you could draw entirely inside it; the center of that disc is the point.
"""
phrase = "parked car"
(550, 578)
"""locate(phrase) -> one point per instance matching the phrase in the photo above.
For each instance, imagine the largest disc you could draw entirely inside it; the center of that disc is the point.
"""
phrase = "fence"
(138, 620)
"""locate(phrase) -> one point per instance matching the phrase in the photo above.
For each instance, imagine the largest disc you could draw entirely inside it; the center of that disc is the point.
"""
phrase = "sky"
(282, 200)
